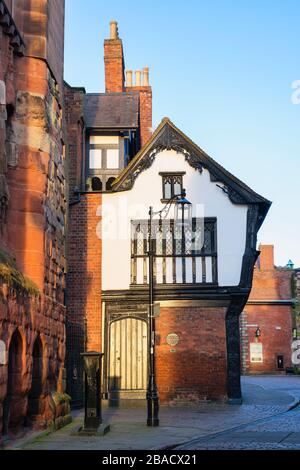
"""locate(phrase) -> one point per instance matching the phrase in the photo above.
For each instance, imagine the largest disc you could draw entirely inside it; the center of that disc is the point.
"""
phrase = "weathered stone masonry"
(33, 221)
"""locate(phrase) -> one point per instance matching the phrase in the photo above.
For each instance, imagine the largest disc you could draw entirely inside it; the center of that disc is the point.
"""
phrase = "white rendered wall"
(208, 200)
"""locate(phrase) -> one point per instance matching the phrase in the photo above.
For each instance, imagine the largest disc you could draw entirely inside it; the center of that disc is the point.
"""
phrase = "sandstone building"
(118, 168)
(33, 214)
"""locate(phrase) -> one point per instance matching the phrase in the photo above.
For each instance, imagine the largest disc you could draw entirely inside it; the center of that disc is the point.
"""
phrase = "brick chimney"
(266, 258)
(114, 61)
(142, 87)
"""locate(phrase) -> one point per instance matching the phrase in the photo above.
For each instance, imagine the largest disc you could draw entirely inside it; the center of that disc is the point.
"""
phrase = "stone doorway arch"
(35, 393)
(12, 407)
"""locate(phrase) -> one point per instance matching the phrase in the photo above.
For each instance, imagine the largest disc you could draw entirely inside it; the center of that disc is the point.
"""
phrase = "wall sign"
(172, 339)
(256, 353)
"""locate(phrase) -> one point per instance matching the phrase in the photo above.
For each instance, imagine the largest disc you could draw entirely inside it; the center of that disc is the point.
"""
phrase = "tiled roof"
(113, 110)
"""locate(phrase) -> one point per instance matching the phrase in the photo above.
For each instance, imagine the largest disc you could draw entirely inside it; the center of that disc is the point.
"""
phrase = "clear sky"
(222, 70)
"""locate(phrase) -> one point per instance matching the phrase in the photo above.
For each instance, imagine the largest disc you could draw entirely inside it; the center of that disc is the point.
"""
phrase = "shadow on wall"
(15, 403)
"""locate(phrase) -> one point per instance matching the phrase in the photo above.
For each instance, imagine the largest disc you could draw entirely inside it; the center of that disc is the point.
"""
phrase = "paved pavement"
(280, 432)
(262, 421)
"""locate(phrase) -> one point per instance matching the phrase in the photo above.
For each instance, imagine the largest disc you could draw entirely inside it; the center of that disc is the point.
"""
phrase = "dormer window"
(104, 152)
(172, 184)
(105, 159)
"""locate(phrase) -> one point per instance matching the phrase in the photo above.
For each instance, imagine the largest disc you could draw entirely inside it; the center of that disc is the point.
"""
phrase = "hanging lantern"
(183, 211)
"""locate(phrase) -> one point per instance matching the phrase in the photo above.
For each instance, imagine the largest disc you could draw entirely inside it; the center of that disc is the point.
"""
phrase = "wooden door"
(127, 371)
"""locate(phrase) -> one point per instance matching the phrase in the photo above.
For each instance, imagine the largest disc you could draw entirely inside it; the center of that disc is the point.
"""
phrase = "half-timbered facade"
(202, 280)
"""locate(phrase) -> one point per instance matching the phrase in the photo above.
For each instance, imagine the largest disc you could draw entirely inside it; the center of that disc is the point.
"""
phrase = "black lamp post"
(183, 215)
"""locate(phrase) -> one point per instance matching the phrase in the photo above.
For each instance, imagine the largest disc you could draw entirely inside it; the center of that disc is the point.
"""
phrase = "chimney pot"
(146, 76)
(129, 78)
(138, 78)
(114, 33)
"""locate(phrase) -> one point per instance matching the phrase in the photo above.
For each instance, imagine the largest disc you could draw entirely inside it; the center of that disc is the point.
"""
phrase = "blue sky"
(222, 70)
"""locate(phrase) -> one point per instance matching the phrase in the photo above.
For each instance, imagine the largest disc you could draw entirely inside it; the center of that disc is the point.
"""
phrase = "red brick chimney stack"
(114, 61)
(115, 80)
(142, 87)
(266, 257)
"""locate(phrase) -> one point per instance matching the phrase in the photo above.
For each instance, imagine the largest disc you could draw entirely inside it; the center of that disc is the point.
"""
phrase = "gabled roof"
(112, 110)
(168, 136)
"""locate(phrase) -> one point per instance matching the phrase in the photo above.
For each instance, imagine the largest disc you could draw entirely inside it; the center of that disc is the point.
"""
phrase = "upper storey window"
(104, 152)
(95, 159)
(112, 159)
(172, 185)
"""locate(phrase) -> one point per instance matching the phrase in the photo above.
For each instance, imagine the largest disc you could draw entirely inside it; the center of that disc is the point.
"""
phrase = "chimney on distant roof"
(138, 75)
(266, 257)
(142, 87)
(114, 61)
(129, 78)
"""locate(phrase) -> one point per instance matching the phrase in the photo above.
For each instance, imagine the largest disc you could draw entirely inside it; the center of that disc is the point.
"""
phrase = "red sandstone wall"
(32, 175)
(197, 370)
(32, 317)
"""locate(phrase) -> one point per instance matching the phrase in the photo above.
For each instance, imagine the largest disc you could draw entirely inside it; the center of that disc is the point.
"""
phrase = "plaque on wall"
(172, 339)
(256, 353)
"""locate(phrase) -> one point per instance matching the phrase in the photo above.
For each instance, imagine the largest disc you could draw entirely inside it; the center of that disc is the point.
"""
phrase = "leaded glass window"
(172, 185)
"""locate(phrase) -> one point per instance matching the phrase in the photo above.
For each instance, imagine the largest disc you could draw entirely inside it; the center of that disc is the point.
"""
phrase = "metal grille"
(181, 256)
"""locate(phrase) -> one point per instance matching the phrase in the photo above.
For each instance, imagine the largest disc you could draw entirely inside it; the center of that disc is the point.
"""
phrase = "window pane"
(95, 159)
(112, 158)
(104, 139)
(167, 189)
(177, 188)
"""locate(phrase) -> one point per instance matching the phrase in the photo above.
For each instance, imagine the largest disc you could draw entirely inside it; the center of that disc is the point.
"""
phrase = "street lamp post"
(152, 394)
(183, 209)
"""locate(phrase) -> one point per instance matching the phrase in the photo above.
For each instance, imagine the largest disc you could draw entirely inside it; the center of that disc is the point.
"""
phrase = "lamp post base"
(153, 407)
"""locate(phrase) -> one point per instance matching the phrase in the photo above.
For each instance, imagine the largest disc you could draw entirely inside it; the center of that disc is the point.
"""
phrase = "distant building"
(267, 321)
(118, 168)
(32, 215)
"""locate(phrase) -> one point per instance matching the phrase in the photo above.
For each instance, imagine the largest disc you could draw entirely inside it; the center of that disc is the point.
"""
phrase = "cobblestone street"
(267, 419)
(281, 432)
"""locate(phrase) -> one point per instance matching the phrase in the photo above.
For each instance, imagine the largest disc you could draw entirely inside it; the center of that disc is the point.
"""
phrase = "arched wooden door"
(127, 368)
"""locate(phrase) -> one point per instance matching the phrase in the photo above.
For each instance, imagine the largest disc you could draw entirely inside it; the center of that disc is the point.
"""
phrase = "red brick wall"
(73, 110)
(197, 370)
(270, 284)
(145, 109)
(84, 273)
(275, 323)
(266, 258)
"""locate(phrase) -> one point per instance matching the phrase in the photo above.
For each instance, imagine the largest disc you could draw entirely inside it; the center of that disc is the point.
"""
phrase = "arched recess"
(36, 390)
(12, 407)
(96, 184)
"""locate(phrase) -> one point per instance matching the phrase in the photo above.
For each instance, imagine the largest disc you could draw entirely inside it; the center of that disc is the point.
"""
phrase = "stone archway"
(35, 393)
(13, 403)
